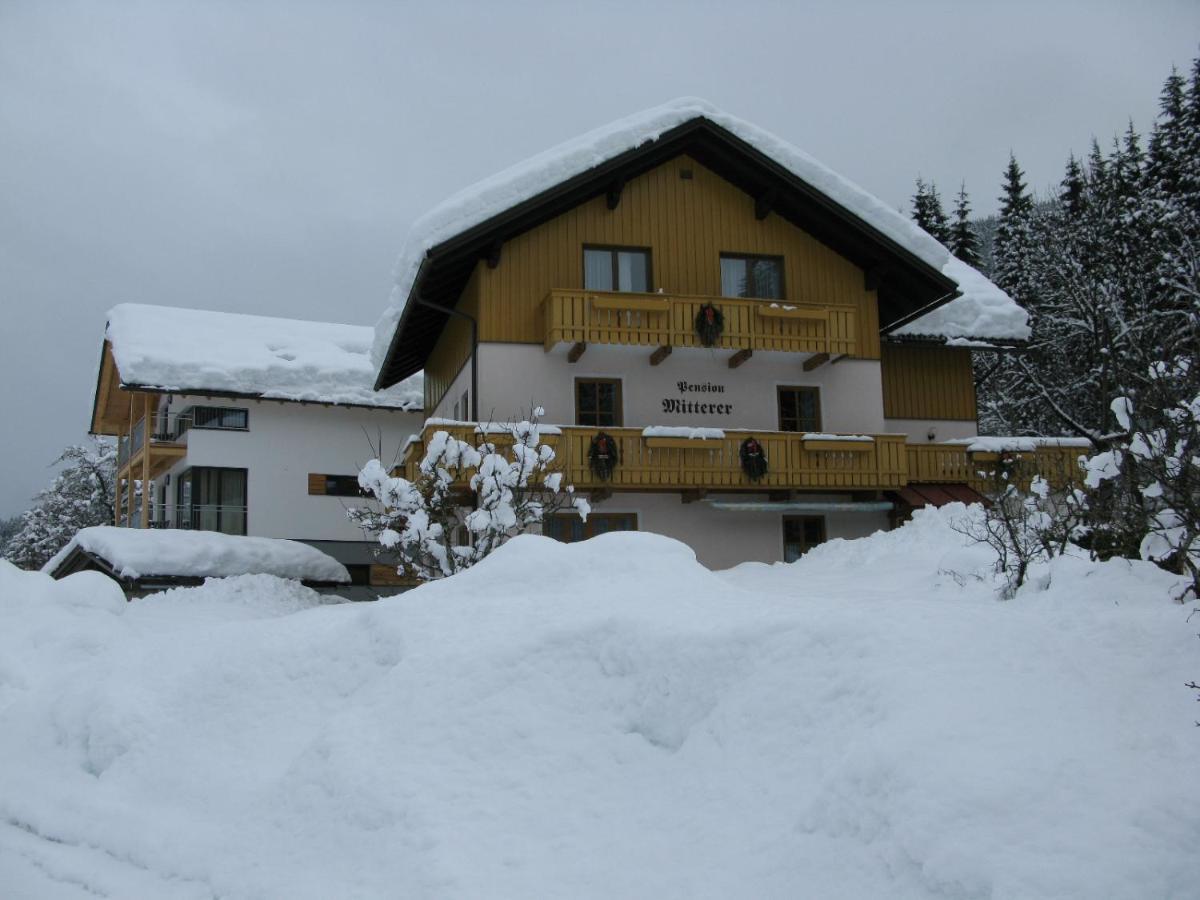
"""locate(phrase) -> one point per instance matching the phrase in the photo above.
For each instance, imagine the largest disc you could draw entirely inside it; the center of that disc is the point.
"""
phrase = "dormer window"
(751, 276)
(616, 269)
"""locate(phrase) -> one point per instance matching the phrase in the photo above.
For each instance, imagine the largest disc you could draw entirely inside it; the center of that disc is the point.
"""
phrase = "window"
(211, 499)
(801, 534)
(616, 269)
(799, 409)
(598, 402)
(335, 486)
(570, 528)
(215, 417)
(752, 276)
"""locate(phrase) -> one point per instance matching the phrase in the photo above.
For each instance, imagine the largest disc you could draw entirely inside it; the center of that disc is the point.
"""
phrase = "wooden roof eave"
(446, 267)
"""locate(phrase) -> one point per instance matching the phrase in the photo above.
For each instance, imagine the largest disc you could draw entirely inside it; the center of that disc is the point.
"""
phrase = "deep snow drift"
(607, 720)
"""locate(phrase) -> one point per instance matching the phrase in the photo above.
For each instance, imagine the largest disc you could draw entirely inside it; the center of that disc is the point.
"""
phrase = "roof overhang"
(907, 285)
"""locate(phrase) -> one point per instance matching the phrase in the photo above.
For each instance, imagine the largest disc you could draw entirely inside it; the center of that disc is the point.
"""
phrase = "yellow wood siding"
(453, 348)
(687, 225)
(927, 383)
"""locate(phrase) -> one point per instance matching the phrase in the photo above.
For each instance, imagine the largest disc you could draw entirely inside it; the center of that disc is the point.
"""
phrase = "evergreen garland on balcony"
(710, 322)
(603, 456)
(754, 459)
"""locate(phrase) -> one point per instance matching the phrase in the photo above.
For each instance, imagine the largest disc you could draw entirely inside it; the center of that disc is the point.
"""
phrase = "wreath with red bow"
(754, 458)
(603, 456)
(710, 322)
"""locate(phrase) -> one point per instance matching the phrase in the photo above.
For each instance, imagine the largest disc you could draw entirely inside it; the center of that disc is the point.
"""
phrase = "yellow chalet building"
(775, 356)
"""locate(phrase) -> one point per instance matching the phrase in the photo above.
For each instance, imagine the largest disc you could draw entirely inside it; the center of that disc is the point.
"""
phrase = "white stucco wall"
(514, 376)
(723, 539)
(284, 443)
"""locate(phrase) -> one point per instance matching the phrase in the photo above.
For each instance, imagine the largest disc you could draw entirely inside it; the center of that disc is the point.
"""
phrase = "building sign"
(686, 405)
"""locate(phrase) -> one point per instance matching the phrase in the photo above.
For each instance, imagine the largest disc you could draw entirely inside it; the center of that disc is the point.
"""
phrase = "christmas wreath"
(603, 456)
(754, 459)
(710, 322)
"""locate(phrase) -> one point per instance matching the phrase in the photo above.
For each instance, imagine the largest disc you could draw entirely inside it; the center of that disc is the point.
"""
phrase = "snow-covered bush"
(420, 522)
(1158, 456)
(80, 496)
(1027, 519)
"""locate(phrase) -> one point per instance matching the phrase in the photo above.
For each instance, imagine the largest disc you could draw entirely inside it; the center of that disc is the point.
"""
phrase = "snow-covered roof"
(983, 310)
(280, 359)
(139, 552)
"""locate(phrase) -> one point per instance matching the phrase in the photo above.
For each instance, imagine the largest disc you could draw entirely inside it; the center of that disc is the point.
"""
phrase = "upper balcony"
(154, 444)
(666, 321)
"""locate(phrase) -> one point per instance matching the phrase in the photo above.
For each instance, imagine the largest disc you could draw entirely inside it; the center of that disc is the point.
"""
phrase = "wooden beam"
(740, 357)
(779, 496)
(692, 496)
(493, 254)
(659, 355)
(147, 412)
(600, 495)
(576, 351)
(872, 278)
(612, 196)
(763, 204)
(815, 361)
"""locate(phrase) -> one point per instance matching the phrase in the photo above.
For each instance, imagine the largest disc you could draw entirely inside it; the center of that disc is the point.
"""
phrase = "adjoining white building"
(248, 425)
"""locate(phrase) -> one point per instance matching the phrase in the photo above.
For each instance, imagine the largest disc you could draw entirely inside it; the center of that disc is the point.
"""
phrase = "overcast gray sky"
(269, 157)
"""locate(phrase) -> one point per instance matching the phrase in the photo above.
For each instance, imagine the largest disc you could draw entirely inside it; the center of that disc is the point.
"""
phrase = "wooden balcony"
(795, 461)
(955, 464)
(678, 464)
(668, 320)
(147, 452)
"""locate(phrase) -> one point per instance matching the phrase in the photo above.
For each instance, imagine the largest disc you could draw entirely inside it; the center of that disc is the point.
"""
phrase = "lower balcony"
(662, 459)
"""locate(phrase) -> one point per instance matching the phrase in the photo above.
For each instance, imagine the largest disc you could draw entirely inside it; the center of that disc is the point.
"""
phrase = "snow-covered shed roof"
(171, 349)
(919, 272)
(135, 554)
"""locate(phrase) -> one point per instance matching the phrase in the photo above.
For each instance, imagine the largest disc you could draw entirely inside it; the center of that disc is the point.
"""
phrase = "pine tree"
(1014, 240)
(928, 212)
(963, 241)
(81, 495)
(1072, 188)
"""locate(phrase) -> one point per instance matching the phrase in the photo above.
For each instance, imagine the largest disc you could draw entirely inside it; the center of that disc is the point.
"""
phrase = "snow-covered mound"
(282, 359)
(983, 310)
(137, 552)
(609, 719)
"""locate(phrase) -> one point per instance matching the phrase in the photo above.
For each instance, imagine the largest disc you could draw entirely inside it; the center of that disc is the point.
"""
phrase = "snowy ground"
(607, 720)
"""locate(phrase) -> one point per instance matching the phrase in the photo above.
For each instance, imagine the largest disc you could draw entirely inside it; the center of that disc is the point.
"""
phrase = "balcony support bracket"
(660, 354)
(576, 351)
(815, 361)
(740, 357)
(692, 496)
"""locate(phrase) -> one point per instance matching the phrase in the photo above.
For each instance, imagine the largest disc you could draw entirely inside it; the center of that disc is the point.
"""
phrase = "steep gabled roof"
(916, 275)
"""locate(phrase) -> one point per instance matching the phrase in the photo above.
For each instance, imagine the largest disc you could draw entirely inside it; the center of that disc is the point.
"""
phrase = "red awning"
(917, 496)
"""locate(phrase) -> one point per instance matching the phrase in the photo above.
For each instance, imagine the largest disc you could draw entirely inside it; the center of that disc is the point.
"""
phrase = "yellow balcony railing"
(956, 464)
(668, 320)
(653, 463)
(795, 461)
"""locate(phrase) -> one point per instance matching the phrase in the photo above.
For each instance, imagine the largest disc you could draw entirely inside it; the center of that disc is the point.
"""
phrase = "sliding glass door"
(212, 499)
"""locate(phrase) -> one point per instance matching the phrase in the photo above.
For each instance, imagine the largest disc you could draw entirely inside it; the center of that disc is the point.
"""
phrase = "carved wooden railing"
(668, 320)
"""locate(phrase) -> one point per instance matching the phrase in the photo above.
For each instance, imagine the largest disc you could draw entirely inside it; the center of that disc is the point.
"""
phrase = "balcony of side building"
(149, 447)
(707, 460)
(668, 321)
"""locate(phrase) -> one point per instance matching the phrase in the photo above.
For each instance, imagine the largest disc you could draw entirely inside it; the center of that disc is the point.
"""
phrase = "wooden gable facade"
(687, 216)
